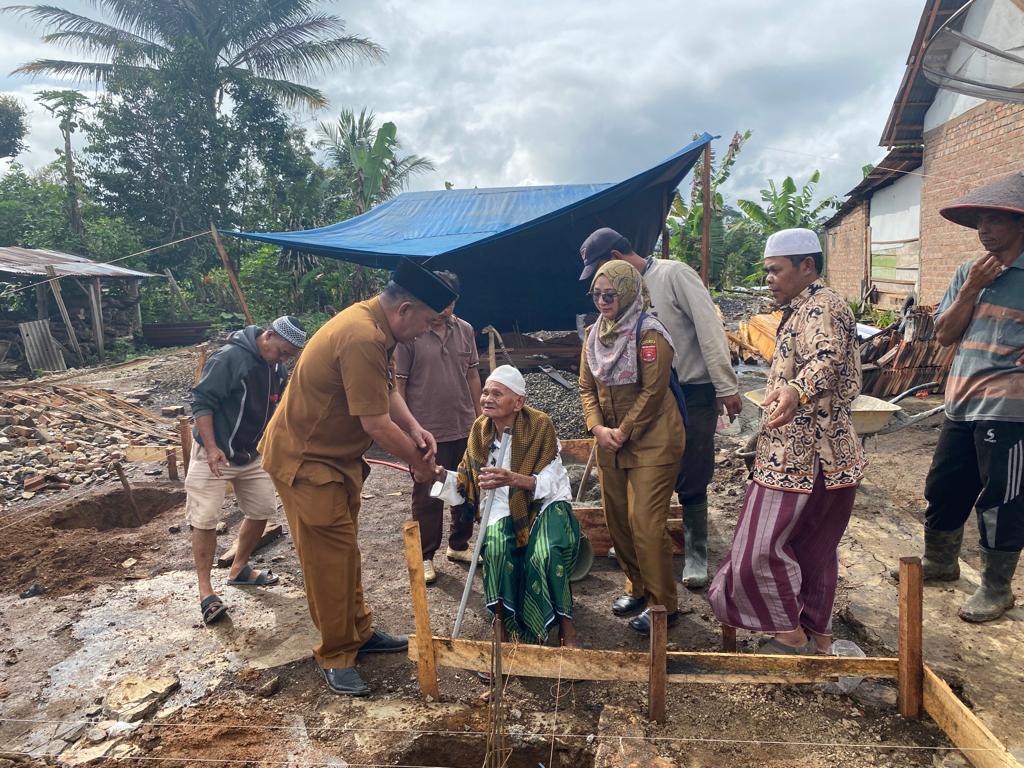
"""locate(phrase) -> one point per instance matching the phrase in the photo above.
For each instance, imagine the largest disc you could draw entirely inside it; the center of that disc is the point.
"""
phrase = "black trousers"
(429, 512)
(698, 464)
(980, 465)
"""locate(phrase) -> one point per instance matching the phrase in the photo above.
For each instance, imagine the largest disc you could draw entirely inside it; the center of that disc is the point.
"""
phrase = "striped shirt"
(985, 382)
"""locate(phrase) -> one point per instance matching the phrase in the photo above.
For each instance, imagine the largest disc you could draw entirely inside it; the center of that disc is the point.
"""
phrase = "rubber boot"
(695, 532)
(941, 561)
(995, 594)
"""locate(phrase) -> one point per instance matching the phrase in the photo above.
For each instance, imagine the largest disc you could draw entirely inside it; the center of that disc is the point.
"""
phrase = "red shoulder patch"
(649, 352)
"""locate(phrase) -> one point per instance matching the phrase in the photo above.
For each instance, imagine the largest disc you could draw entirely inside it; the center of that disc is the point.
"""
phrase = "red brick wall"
(844, 246)
(968, 151)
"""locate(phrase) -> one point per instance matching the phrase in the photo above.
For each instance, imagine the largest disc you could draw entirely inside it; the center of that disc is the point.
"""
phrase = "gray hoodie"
(240, 390)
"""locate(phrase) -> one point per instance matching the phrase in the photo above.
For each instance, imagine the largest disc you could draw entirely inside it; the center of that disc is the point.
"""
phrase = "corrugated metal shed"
(27, 261)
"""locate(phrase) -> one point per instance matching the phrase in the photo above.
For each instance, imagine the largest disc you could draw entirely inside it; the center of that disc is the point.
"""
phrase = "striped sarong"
(781, 569)
(532, 582)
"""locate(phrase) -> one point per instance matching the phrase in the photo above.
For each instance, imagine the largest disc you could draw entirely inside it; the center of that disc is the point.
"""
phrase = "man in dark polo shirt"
(339, 401)
(438, 374)
(979, 459)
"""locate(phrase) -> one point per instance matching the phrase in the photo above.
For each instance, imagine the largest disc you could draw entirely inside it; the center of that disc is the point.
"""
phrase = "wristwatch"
(804, 397)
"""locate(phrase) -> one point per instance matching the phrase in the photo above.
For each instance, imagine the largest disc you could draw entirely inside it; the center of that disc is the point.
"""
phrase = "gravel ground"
(561, 404)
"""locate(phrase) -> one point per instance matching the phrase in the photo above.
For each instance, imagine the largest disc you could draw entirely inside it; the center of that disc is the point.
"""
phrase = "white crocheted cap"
(510, 377)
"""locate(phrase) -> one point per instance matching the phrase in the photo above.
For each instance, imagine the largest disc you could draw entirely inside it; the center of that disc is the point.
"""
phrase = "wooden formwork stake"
(201, 363)
(128, 491)
(658, 678)
(426, 666)
(172, 464)
(728, 639)
(911, 662)
(185, 433)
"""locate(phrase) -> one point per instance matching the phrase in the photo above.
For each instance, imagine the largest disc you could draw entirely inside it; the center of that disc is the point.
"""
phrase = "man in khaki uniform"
(340, 400)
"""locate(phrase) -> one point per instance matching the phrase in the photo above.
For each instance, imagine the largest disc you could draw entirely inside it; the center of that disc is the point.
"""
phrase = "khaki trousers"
(324, 523)
(636, 503)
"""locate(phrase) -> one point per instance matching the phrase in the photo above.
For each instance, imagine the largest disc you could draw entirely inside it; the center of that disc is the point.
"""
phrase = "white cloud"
(534, 92)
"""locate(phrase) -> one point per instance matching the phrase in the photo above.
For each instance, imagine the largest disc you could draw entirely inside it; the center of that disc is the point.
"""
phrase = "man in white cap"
(979, 459)
(532, 537)
(239, 390)
(702, 362)
(779, 575)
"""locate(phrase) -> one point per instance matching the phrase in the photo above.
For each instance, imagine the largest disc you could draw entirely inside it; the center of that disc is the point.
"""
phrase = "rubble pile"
(561, 404)
(56, 436)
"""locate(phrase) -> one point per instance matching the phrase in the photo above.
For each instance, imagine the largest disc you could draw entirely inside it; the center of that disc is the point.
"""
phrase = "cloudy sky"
(562, 91)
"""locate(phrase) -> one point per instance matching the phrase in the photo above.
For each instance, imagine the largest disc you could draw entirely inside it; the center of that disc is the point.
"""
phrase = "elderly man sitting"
(532, 538)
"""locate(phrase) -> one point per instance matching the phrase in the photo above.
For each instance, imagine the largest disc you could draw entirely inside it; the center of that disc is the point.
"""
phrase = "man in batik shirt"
(779, 575)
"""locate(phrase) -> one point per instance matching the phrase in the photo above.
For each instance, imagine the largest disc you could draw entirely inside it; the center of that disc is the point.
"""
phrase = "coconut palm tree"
(270, 44)
(366, 158)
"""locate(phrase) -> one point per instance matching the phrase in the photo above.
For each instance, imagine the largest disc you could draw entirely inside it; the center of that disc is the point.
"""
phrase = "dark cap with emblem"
(423, 284)
(598, 248)
(1005, 194)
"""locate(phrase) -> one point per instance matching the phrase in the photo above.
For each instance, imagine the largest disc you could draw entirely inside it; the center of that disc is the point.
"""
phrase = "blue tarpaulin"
(515, 249)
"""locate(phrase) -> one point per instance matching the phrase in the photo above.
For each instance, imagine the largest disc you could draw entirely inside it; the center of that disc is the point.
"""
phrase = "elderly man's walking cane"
(506, 438)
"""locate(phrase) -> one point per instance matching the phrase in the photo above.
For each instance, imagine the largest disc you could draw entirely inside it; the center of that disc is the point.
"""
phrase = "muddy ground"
(120, 602)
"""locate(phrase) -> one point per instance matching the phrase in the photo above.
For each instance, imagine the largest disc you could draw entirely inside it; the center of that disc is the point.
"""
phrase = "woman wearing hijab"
(633, 415)
(532, 537)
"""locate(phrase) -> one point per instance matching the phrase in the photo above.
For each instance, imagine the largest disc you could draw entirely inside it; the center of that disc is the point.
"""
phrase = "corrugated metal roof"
(29, 261)
(916, 94)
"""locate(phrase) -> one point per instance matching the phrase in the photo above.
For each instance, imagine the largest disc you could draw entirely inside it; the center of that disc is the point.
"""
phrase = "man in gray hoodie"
(240, 387)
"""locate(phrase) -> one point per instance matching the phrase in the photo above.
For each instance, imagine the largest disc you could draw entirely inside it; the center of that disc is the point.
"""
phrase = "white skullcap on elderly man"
(510, 377)
(792, 242)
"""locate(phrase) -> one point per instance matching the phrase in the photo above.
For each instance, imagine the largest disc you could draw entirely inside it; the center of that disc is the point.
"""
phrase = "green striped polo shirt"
(985, 382)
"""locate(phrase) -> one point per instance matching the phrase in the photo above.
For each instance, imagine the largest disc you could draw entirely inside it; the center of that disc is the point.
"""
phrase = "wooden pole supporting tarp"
(426, 668)
(231, 273)
(59, 298)
(911, 669)
(708, 206)
(976, 742)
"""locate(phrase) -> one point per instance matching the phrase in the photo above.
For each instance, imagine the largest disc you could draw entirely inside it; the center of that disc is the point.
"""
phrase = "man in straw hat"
(341, 400)
(779, 575)
(979, 459)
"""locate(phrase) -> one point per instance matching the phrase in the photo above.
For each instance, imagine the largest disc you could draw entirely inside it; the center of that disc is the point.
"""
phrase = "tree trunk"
(71, 181)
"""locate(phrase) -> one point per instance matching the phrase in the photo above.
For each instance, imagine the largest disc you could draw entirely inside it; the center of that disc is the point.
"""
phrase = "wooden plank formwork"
(658, 667)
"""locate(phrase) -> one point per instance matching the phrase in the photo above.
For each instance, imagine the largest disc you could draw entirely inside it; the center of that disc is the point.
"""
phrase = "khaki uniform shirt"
(342, 374)
(645, 411)
(817, 348)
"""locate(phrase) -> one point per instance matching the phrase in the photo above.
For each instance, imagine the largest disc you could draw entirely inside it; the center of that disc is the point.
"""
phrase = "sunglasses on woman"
(603, 297)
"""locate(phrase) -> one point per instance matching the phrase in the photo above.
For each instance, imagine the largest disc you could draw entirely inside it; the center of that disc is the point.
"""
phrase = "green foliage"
(13, 126)
(685, 221)
(786, 207)
(365, 158)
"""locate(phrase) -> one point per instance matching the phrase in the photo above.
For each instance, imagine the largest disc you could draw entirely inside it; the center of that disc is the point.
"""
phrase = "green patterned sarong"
(532, 582)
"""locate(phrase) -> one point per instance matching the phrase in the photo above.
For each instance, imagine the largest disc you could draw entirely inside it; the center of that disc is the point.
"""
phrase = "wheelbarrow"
(871, 416)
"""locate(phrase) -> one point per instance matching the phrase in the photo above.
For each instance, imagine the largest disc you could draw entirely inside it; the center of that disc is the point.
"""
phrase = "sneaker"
(461, 555)
(429, 575)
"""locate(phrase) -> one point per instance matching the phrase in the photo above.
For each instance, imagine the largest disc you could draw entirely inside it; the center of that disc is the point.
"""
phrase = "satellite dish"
(980, 54)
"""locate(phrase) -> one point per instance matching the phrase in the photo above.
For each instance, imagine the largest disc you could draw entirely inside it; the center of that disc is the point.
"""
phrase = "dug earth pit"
(111, 509)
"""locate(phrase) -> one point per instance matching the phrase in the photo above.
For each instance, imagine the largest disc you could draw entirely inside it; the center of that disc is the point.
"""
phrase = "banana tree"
(786, 207)
(685, 221)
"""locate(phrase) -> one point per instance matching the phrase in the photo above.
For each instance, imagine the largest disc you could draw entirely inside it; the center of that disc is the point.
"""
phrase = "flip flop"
(213, 609)
(266, 578)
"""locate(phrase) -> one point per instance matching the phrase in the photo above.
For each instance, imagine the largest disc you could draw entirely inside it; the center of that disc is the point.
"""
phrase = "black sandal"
(213, 609)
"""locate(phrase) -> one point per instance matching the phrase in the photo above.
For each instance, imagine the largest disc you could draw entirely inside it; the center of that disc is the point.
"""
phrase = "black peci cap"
(423, 284)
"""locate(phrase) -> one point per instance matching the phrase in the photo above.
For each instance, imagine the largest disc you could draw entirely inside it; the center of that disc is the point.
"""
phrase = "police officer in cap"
(340, 400)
